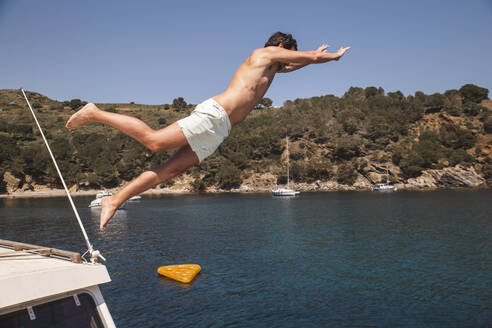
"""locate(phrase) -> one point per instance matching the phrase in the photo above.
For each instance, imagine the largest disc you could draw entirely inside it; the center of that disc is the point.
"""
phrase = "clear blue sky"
(154, 51)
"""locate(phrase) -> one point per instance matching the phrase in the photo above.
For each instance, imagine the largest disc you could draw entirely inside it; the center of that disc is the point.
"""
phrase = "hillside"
(349, 142)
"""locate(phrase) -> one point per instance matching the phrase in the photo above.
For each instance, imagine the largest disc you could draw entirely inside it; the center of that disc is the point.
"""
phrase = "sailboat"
(384, 186)
(286, 191)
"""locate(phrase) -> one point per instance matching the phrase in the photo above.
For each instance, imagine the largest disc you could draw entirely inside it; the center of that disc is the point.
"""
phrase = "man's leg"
(183, 159)
(169, 137)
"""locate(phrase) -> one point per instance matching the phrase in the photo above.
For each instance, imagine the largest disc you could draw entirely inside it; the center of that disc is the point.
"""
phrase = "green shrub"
(346, 174)
(8, 149)
(348, 147)
(319, 169)
(428, 148)
(21, 131)
(459, 156)
(229, 177)
(198, 185)
(3, 185)
(456, 137)
(487, 171)
(472, 109)
(453, 111)
(412, 165)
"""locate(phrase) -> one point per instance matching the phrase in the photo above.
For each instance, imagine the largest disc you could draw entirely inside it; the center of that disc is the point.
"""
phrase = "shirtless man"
(200, 134)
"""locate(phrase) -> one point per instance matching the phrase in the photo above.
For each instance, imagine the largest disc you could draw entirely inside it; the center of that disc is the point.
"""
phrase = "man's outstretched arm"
(290, 67)
(294, 60)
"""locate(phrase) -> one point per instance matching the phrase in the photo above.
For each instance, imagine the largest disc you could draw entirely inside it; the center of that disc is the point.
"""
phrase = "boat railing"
(44, 251)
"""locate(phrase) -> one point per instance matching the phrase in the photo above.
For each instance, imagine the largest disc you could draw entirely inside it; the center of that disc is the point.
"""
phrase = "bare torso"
(249, 84)
(253, 78)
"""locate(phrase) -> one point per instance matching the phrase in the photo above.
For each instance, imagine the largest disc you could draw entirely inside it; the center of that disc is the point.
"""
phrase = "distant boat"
(98, 201)
(134, 199)
(103, 193)
(384, 186)
(286, 191)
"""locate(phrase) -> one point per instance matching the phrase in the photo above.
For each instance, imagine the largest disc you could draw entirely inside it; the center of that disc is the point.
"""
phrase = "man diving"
(200, 134)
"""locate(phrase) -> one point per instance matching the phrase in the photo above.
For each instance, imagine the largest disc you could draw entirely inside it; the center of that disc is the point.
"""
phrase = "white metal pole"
(287, 146)
(89, 245)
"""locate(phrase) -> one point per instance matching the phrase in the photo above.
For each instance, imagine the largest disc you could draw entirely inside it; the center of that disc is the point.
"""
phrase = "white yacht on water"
(384, 186)
(286, 191)
(98, 201)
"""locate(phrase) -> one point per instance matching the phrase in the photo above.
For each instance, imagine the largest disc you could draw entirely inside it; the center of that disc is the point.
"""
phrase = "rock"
(459, 177)
(421, 182)
(375, 177)
(449, 177)
(362, 183)
(12, 183)
(28, 184)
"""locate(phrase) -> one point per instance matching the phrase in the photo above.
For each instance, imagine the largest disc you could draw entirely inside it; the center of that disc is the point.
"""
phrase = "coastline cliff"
(336, 143)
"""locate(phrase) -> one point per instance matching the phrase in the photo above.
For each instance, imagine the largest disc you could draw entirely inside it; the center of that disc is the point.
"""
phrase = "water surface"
(405, 259)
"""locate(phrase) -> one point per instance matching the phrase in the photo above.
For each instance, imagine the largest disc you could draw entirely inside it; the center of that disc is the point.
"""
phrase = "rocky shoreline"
(457, 177)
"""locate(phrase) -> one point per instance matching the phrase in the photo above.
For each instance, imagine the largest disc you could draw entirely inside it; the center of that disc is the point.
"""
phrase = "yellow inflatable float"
(180, 272)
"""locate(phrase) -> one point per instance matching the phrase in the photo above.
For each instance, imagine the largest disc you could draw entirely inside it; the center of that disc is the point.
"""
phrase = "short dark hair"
(286, 39)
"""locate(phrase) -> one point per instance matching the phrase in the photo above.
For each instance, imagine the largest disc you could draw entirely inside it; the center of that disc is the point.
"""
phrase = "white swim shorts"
(206, 128)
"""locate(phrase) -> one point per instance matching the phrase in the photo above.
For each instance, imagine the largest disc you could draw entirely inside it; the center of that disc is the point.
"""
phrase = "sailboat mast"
(287, 146)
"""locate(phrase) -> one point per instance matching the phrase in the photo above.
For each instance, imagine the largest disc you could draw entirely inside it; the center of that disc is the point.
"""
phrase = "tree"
(8, 149)
(347, 147)
(198, 185)
(76, 103)
(355, 93)
(229, 177)
(179, 103)
(473, 93)
(346, 174)
(21, 131)
(264, 103)
(434, 103)
(371, 92)
(428, 148)
(412, 166)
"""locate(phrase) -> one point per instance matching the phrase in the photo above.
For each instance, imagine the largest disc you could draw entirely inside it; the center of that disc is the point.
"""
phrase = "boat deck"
(27, 275)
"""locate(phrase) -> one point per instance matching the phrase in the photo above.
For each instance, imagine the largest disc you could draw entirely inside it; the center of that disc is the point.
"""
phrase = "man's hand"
(341, 52)
(323, 48)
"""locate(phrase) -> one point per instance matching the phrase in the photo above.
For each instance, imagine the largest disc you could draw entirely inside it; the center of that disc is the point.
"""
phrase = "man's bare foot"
(83, 115)
(107, 211)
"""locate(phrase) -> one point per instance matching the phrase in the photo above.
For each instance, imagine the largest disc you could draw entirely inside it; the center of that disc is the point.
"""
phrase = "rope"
(94, 253)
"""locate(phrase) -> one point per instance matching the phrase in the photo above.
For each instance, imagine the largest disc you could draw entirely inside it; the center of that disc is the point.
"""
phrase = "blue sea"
(341, 259)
